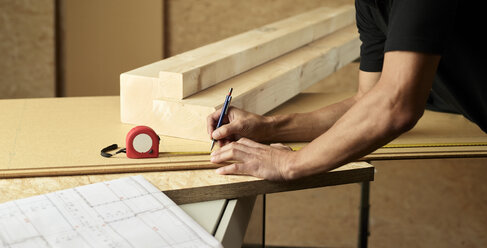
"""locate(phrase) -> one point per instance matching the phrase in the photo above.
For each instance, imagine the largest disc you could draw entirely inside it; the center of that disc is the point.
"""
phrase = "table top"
(55, 134)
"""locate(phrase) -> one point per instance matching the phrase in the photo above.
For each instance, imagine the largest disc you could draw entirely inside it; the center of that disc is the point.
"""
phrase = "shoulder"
(419, 25)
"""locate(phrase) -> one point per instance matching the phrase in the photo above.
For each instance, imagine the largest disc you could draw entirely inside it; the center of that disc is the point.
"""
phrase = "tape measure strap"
(296, 148)
(435, 145)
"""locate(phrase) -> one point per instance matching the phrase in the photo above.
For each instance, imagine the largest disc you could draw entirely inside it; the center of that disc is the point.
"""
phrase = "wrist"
(276, 127)
(291, 166)
(268, 126)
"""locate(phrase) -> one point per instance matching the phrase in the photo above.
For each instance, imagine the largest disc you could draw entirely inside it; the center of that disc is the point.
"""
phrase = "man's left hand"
(270, 162)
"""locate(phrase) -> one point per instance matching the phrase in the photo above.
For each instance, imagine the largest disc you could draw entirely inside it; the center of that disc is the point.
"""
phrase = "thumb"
(227, 130)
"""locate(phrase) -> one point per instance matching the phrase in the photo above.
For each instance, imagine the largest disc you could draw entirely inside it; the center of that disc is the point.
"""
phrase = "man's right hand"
(237, 124)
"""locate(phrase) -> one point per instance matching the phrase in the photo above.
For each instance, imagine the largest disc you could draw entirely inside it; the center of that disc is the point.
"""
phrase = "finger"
(211, 121)
(224, 142)
(236, 169)
(233, 151)
(249, 142)
(222, 147)
(227, 130)
(228, 146)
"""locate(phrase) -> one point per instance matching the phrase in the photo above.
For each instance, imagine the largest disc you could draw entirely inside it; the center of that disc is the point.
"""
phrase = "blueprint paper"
(127, 212)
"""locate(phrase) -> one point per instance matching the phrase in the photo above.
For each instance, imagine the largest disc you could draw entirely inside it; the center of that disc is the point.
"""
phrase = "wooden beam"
(188, 73)
(258, 90)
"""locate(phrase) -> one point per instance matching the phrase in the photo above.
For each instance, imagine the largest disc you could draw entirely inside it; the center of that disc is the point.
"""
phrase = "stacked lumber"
(265, 67)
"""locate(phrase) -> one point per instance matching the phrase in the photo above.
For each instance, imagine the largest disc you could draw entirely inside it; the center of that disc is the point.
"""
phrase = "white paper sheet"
(127, 212)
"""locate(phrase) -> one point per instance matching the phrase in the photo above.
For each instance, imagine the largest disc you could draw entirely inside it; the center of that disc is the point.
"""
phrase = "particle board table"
(54, 143)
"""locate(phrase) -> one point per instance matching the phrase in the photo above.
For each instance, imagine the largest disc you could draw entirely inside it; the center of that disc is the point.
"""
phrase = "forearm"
(306, 126)
(371, 123)
(391, 107)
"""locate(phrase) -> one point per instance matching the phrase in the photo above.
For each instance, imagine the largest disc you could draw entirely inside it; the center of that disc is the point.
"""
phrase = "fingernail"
(212, 158)
(215, 134)
(219, 171)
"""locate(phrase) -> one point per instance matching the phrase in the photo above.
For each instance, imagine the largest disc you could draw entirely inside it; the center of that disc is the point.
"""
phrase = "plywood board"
(258, 90)
(64, 136)
(190, 72)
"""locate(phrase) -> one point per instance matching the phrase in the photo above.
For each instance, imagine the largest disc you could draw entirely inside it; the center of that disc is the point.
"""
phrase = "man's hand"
(237, 124)
(255, 159)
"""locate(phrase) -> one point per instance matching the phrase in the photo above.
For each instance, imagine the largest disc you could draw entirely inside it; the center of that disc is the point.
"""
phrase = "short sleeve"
(373, 39)
(420, 25)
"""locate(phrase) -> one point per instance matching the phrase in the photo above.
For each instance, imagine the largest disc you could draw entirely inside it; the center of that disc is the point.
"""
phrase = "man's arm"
(308, 126)
(389, 108)
(288, 127)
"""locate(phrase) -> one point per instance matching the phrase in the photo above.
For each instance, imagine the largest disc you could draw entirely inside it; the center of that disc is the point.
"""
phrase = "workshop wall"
(27, 48)
(193, 23)
(98, 40)
(101, 39)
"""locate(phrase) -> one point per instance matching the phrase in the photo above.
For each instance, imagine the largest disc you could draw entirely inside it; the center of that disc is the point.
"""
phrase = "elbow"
(405, 120)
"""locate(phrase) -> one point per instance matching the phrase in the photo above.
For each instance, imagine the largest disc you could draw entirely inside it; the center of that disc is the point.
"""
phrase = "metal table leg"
(364, 215)
(263, 221)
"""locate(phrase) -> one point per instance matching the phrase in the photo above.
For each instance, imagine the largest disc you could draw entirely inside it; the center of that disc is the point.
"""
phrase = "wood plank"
(258, 90)
(189, 186)
(190, 72)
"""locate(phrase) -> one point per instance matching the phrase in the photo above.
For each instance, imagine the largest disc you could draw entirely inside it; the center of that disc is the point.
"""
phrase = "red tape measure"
(141, 142)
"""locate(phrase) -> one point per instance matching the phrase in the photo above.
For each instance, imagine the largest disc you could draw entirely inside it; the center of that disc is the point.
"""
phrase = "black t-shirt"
(448, 28)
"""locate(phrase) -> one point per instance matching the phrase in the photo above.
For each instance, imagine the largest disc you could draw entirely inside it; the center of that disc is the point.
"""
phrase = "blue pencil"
(226, 104)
